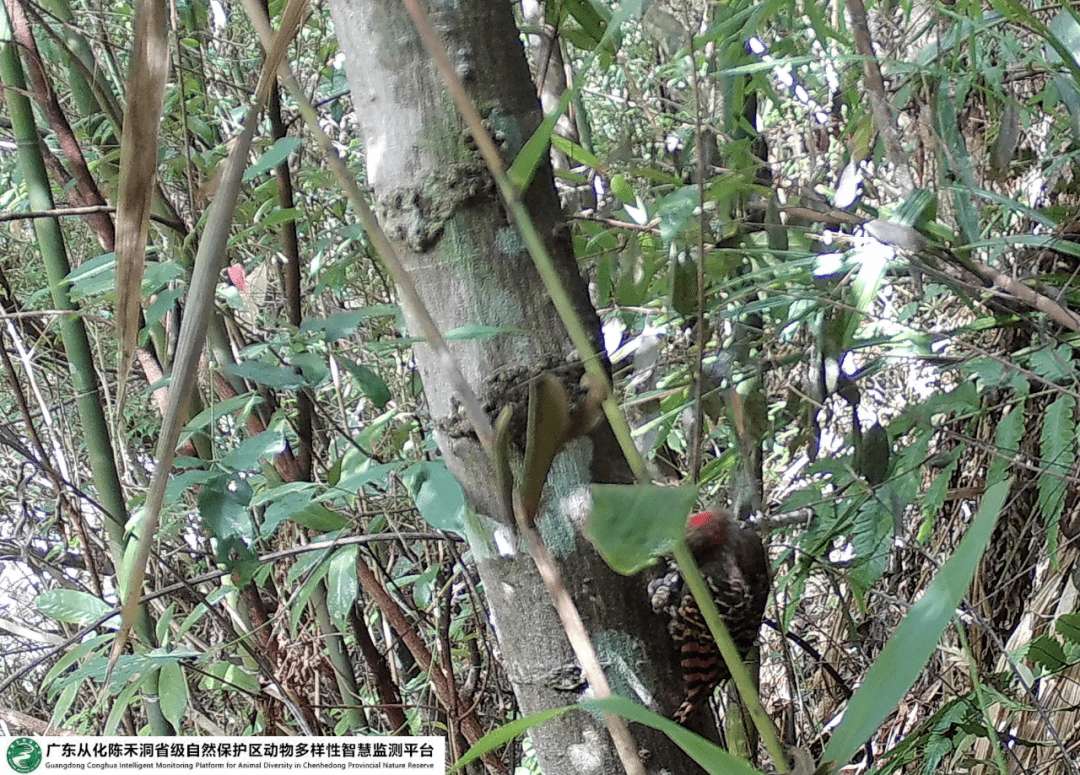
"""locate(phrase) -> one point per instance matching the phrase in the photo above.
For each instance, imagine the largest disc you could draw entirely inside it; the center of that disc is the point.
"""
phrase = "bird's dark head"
(714, 534)
(708, 529)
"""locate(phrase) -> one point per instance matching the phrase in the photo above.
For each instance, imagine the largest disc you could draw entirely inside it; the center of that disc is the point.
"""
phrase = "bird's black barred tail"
(702, 666)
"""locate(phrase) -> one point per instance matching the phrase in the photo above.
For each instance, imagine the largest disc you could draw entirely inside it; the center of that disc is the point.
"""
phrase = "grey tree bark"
(437, 203)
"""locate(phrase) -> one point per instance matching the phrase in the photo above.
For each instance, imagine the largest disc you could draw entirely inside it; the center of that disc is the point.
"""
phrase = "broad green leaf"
(438, 495)
(277, 153)
(278, 217)
(477, 331)
(592, 17)
(243, 403)
(160, 274)
(270, 374)
(576, 153)
(295, 501)
(224, 508)
(371, 383)
(621, 188)
(903, 657)
(1068, 626)
(342, 586)
(72, 606)
(247, 454)
(162, 305)
(93, 277)
(342, 325)
(127, 667)
(180, 483)
(173, 693)
(355, 478)
(230, 677)
(1047, 652)
(631, 524)
(674, 210)
(313, 367)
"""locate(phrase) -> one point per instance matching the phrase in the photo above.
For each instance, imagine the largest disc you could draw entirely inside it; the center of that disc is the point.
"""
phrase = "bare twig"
(879, 100)
(441, 682)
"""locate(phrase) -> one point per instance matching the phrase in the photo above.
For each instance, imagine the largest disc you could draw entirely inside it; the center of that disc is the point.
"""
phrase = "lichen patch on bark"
(418, 216)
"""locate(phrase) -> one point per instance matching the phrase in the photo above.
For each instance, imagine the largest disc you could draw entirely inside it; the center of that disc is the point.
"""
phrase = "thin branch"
(880, 105)
(67, 212)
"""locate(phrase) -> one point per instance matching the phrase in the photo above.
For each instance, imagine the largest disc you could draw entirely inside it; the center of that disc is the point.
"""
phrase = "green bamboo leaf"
(72, 656)
(244, 403)
(121, 703)
(903, 658)
(576, 153)
(371, 383)
(63, 704)
(713, 759)
(959, 161)
(592, 16)
(708, 755)
(230, 677)
(275, 154)
(504, 734)
(269, 374)
(342, 325)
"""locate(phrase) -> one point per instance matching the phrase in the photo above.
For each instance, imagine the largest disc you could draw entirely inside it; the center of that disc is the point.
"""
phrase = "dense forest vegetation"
(364, 360)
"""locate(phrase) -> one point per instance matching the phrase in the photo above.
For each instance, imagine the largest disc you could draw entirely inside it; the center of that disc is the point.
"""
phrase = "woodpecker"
(732, 560)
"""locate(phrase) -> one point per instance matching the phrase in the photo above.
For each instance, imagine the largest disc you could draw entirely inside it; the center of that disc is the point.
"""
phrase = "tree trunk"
(438, 205)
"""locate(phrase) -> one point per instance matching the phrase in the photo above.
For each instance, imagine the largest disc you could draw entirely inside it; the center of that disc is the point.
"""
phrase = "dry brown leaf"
(138, 167)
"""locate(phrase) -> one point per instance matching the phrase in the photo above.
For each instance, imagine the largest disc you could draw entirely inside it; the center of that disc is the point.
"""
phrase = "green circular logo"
(24, 754)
